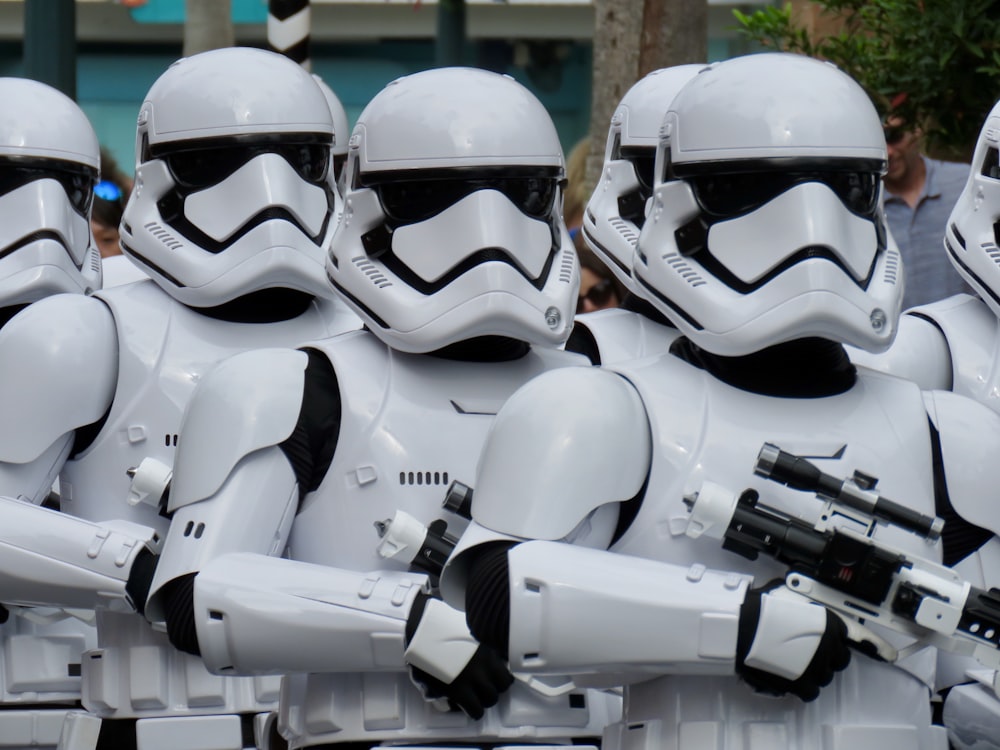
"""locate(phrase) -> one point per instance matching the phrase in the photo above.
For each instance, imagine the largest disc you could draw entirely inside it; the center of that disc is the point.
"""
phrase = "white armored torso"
(410, 425)
(704, 429)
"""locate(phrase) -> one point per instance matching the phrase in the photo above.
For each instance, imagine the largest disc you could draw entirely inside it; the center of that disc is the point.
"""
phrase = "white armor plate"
(622, 335)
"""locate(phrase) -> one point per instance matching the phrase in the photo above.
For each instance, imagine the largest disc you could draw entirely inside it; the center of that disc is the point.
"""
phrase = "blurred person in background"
(919, 194)
(576, 195)
(599, 288)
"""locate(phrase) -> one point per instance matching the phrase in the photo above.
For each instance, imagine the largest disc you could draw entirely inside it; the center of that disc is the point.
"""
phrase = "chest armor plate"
(410, 425)
(704, 429)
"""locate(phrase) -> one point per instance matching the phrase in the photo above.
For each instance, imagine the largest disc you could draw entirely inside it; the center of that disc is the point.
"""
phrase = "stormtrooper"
(49, 161)
(615, 215)
(954, 344)
(453, 251)
(232, 209)
(766, 246)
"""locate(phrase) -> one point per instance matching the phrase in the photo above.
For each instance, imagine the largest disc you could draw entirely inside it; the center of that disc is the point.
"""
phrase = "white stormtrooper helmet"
(767, 223)
(234, 188)
(972, 236)
(452, 223)
(49, 162)
(617, 208)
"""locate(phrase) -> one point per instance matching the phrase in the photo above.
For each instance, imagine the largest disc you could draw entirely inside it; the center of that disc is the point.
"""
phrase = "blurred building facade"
(357, 46)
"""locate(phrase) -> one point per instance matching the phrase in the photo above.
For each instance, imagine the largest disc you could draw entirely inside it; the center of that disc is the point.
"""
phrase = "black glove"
(447, 662)
(792, 618)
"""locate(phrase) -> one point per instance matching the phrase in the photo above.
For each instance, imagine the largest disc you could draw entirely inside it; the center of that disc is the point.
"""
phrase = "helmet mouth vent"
(39, 237)
(486, 255)
(171, 208)
(812, 252)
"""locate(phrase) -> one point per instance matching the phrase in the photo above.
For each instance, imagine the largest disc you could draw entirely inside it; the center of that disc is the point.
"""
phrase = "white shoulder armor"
(970, 444)
(919, 353)
(622, 335)
(58, 372)
(565, 443)
(220, 426)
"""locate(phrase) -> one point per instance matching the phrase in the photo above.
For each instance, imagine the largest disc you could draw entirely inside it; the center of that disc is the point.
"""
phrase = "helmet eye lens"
(644, 171)
(643, 161)
(203, 167)
(726, 195)
(410, 201)
(991, 165)
(76, 180)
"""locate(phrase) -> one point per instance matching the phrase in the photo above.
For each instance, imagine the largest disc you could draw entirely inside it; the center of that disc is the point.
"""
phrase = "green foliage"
(944, 55)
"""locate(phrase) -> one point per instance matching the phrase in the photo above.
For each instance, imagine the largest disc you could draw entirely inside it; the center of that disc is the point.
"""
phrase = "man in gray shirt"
(920, 193)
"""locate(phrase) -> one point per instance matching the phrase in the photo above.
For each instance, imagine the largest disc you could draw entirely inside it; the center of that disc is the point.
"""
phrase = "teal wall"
(112, 80)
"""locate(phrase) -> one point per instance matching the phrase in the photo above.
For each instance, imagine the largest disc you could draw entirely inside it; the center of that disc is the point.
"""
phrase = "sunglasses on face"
(894, 136)
(598, 295)
(106, 190)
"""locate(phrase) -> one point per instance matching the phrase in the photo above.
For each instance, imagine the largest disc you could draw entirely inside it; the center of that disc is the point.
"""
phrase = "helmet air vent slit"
(891, 268)
(993, 251)
(627, 233)
(163, 235)
(566, 270)
(683, 269)
(372, 271)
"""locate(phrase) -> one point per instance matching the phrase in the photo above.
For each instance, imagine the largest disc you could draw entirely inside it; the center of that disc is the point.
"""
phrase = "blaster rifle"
(847, 569)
